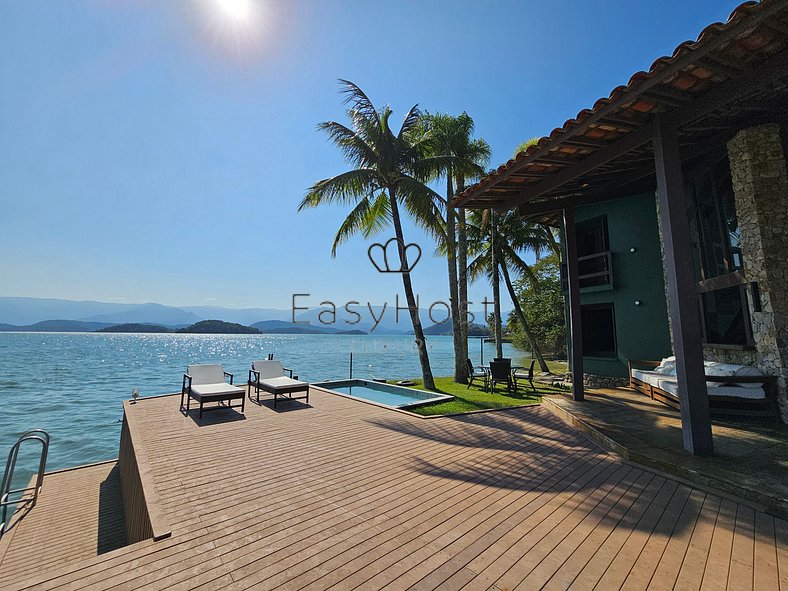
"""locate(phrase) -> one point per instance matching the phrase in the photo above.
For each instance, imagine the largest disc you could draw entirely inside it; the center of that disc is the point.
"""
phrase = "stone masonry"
(760, 183)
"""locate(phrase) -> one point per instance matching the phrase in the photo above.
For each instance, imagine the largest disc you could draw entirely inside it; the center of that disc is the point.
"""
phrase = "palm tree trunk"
(535, 350)
(462, 263)
(451, 258)
(496, 285)
(421, 343)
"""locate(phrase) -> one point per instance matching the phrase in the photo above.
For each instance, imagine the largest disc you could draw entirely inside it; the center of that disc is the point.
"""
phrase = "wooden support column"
(575, 325)
(682, 292)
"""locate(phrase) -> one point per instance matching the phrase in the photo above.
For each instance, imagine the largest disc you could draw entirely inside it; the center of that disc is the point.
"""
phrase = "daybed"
(206, 383)
(732, 389)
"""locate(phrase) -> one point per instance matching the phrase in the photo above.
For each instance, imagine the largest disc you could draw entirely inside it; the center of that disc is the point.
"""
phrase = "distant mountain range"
(57, 315)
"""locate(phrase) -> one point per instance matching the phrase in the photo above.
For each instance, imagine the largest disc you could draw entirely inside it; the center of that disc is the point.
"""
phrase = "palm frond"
(358, 100)
(345, 188)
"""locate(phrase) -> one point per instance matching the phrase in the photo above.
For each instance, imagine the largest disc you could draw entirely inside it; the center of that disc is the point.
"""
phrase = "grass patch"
(475, 398)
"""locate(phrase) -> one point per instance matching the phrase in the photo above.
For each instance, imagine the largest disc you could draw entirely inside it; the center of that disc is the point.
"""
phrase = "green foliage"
(218, 327)
(543, 308)
(523, 146)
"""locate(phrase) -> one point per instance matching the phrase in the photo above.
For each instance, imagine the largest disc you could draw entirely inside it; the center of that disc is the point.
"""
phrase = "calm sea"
(72, 384)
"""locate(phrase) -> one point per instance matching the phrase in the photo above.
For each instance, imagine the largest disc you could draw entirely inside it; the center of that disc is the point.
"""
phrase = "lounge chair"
(521, 374)
(477, 371)
(269, 375)
(501, 372)
(206, 383)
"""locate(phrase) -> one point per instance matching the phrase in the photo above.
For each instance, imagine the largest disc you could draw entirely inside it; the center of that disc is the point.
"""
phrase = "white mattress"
(671, 387)
(649, 377)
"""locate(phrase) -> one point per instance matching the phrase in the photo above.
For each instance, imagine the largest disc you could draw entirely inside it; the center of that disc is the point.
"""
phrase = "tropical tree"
(387, 174)
(496, 241)
(467, 157)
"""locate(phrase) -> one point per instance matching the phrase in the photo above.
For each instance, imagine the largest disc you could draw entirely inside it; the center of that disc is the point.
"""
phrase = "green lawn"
(475, 398)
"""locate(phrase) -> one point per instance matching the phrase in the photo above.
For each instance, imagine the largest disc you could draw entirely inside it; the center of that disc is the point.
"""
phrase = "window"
(717, 255)
(724, 321)
(599, 330)
(593, 252)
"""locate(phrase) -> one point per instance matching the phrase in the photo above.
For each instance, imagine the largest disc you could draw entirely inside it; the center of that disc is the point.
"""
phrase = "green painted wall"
(641, 331)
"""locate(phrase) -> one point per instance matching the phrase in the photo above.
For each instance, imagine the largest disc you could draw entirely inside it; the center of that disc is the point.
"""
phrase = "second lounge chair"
(269, 376)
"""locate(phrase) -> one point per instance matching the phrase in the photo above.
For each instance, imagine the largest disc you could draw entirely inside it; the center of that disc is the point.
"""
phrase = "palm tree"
(496, 241)
(451, 137)
(387, 173)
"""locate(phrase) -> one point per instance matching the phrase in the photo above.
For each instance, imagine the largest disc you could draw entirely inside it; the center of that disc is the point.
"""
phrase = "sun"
(236, 9)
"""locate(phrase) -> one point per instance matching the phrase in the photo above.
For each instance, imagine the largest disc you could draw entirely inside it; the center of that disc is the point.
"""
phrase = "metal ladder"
(5, 490)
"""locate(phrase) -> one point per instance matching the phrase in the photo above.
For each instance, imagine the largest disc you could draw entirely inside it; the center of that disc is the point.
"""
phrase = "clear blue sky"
(156, 150)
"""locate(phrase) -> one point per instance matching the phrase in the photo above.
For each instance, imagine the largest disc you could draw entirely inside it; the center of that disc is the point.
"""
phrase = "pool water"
(385, 394)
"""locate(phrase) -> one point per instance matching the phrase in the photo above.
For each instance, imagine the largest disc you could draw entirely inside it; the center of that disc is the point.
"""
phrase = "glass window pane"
(599, 330)
(723, 316)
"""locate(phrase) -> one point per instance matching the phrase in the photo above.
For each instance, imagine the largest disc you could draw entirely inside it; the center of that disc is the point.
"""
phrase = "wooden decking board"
(766, 573)
(389, 552)
(346, 495)
(494, 561)
(743, 551)
(630, 502)
(419, 513)
(673, 557)
(480, 522)
(535, 545)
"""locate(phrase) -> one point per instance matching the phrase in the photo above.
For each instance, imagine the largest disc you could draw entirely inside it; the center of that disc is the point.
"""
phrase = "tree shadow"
(527, 449)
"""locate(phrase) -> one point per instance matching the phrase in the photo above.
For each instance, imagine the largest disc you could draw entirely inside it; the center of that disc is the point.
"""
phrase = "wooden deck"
(347, 495)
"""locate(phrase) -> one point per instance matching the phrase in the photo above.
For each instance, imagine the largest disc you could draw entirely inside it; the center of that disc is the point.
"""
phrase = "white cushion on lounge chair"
(280, 382)
(206, 374)
(214, 389)
(478, 372)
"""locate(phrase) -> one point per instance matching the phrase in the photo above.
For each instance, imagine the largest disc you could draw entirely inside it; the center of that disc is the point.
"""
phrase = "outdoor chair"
(269, 376)
(206, 383)
(500, 372)
(477, 371)
(521, 374)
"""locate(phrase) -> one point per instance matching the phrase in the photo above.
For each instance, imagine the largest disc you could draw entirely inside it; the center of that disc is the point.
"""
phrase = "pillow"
(749, 371)
(666, 370)
(668, 361)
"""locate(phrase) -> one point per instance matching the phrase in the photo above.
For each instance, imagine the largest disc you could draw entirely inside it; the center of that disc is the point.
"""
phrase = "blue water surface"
(72, 384)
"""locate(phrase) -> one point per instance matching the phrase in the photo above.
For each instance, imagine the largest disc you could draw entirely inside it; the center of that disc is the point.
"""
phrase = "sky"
(156, 151)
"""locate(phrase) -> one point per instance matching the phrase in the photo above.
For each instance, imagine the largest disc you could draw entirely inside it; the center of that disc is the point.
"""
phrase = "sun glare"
(237, 9)
(237, 29)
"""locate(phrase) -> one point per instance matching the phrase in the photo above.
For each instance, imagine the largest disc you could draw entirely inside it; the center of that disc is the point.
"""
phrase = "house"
(672, 198)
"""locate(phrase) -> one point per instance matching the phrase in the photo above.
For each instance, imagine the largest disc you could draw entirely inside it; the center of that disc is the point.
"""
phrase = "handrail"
(8, 476)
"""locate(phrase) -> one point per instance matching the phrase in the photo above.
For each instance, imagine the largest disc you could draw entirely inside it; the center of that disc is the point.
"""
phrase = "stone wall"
(597, 381)
(760, 183)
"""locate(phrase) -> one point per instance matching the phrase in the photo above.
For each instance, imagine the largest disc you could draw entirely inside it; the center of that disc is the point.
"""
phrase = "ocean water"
(72, 384)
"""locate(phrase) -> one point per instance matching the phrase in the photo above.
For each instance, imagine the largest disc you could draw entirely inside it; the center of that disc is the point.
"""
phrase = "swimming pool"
(383, 394)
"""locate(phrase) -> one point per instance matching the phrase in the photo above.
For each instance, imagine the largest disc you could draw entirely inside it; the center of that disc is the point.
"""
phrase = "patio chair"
(206, 383)
(477, 371)
(269, 376)
(501, 372)
(520, 374)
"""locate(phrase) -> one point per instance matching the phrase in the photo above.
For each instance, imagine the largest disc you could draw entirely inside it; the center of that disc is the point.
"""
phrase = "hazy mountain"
(240, 315)
(134, 327)
(25, 311)
(218, 327)
(148, 314)
(56, 326)
(445, 328)
(282, 327)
